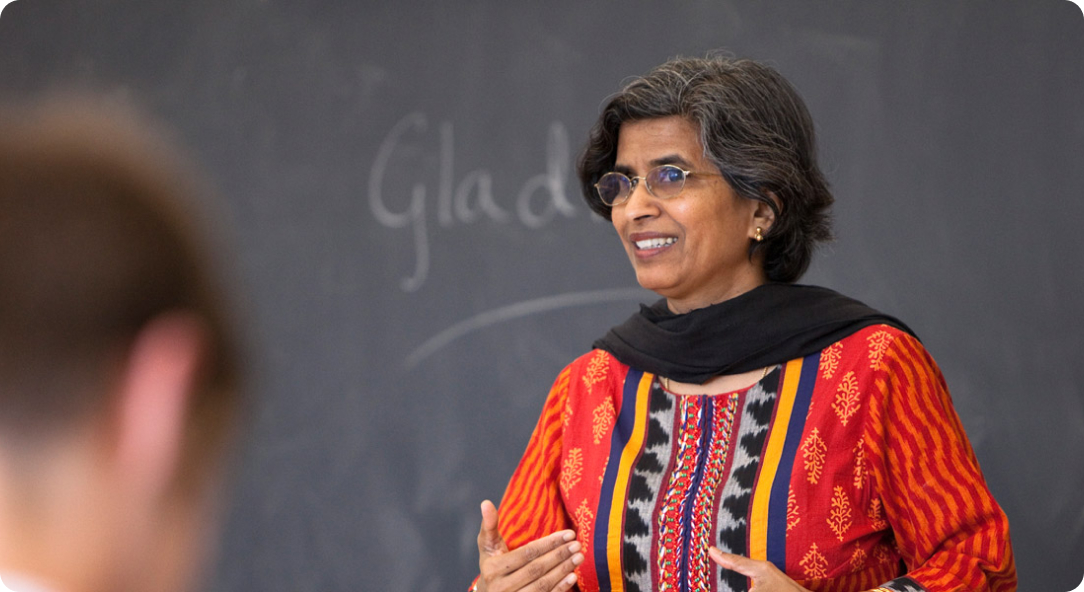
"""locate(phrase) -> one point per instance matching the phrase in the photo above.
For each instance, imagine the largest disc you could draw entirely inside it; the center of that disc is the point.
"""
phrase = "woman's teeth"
(655, 243)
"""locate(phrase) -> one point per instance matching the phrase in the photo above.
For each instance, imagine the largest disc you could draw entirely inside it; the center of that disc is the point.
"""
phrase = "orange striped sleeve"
(532, 505)
(950, 531)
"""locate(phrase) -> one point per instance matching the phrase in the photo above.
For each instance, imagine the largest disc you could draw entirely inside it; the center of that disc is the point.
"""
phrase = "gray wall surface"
(418, 264)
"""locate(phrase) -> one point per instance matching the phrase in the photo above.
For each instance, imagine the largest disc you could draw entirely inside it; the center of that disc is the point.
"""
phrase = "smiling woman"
(743, 432)
(691, 247)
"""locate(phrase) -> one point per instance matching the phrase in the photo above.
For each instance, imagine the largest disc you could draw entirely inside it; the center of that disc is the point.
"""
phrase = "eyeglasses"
(664, 181)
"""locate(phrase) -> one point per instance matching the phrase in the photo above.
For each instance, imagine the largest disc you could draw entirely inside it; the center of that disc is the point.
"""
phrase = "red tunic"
(847, 469)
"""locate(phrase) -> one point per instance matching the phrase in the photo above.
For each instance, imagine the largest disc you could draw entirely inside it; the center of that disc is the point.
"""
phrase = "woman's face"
(693, 249)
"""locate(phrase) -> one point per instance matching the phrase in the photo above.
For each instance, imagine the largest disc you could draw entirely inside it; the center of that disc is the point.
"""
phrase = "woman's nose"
(640, 202)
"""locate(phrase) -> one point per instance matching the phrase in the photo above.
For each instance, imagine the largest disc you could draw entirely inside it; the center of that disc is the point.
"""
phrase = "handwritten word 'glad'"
(540, 199)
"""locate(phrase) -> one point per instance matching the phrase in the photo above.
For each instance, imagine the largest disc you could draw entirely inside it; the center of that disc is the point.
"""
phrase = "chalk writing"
(519, 310)
(540, 199)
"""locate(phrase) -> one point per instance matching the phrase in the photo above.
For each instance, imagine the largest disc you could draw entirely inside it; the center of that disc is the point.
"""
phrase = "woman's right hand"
(542, 565)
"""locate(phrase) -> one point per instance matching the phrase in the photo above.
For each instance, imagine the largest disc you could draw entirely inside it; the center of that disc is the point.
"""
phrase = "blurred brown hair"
(98, 236)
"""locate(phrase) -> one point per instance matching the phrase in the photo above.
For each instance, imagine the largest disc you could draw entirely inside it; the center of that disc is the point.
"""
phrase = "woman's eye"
(670, 175)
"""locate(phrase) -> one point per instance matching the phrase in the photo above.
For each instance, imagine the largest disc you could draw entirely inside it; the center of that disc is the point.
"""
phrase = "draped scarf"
(769, 325)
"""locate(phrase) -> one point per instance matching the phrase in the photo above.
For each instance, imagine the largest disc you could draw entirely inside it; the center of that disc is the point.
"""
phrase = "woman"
(744, 432)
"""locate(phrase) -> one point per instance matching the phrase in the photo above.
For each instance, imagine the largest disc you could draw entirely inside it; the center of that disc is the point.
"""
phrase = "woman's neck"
(682, 305)
(717, 385)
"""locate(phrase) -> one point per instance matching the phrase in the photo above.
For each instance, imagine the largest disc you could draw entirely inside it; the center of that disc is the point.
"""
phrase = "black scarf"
(768, 325)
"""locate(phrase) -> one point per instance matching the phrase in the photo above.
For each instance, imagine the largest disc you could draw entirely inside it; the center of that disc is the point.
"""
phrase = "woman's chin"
(653, 283)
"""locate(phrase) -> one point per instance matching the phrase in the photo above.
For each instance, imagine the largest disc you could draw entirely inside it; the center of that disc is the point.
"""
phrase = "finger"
(744, 566)
(566, 583)
(490, 541)
(553, 571)
(533, 560)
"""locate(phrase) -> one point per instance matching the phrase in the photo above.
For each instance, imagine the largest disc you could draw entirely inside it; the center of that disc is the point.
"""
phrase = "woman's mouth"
(654, 243)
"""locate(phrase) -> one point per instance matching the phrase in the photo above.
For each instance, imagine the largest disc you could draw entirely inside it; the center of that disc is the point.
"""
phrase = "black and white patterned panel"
(731, 524)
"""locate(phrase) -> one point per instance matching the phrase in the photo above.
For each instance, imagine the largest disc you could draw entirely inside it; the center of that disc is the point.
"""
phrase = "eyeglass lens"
(663, 181)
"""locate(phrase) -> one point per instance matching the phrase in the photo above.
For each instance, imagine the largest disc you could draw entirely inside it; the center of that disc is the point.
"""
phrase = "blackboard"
(417, 264)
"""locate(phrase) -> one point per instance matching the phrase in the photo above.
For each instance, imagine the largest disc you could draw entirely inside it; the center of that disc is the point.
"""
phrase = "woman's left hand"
(765, 576)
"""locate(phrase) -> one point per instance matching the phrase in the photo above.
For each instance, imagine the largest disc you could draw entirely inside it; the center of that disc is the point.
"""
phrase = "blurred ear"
(152, 405)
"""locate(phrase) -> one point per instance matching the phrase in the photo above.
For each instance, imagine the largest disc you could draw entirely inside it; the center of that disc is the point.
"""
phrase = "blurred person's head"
(119, 363)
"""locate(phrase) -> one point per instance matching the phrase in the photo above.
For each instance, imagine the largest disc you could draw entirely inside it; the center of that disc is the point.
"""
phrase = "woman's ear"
(764, 215)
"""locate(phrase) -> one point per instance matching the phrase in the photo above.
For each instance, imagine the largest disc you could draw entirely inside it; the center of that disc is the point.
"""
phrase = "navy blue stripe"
(777, 505)
(621, 434)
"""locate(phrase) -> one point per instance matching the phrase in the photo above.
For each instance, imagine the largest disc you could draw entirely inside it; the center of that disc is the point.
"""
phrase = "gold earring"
(758, 236)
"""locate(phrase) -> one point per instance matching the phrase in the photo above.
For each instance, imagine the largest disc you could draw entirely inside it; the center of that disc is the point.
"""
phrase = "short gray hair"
(754, 127)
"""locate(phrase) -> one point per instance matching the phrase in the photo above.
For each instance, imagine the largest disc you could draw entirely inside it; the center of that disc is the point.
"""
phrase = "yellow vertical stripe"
(617, 507)
(758, 515)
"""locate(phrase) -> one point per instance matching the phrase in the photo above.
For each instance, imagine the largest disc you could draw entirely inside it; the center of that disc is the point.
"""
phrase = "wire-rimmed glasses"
(664, 181)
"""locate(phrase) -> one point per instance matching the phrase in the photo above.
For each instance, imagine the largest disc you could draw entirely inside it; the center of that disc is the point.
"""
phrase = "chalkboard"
(417, 263)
